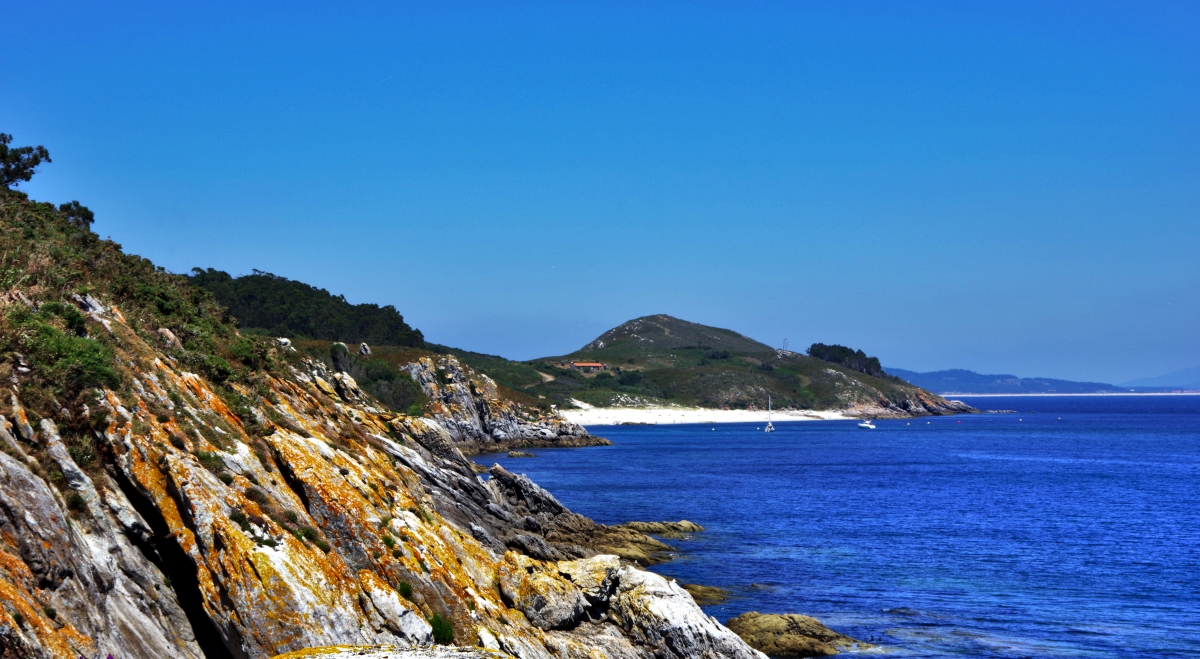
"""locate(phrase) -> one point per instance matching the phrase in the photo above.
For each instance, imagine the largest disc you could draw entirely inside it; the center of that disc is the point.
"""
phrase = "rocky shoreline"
(311, 518)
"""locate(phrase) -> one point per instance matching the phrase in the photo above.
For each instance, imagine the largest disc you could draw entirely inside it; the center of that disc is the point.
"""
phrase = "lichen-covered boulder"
(791, 636)
(547, 599)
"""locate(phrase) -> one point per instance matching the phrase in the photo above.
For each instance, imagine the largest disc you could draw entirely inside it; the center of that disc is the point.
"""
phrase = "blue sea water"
(1068, 529)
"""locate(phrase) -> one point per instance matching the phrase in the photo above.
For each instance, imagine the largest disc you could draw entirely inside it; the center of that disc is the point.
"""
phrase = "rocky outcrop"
(392, 652)
(160, 523)
(72, 581)
(470, 408)
(791, 636)
(637, 613)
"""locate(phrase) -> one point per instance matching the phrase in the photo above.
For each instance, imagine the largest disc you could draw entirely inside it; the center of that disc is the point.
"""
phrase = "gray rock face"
(468, 405)
(628, 612)
(334, 523)
(547, 599)
(86, 571)
(394, 652)
(660, 616)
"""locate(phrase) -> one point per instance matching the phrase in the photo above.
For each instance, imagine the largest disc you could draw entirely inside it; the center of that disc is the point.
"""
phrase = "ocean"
(1070, 528)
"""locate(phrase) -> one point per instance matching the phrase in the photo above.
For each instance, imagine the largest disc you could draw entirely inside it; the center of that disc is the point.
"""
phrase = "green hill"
(651, 335)
(283, 307)
(661, 360)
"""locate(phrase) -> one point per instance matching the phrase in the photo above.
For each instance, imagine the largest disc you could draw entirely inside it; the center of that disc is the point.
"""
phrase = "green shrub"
(217, 369)
(52, 614)
(256, 495)
(210, 461)
(76, 502)
(73, 363)
(443, 630)
(405, 590)
(323, 546)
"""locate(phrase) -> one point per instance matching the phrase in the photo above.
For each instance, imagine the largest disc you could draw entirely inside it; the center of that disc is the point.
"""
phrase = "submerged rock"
(790, 635)
(705, 595)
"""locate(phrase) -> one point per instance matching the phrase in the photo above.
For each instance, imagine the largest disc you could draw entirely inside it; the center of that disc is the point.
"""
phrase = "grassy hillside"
(660, 359)
(56, 353)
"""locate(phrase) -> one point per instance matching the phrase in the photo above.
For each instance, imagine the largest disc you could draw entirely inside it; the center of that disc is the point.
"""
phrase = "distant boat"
(769, 428)
(867, 425)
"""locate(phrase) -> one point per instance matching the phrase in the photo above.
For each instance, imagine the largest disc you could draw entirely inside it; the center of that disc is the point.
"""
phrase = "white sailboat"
(769, 428)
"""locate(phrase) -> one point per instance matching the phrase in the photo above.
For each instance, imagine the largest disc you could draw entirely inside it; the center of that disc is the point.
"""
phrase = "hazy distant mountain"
(960, 381)
(1188, 378)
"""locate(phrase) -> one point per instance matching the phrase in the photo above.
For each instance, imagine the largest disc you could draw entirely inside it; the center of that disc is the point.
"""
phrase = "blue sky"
(1009, 187)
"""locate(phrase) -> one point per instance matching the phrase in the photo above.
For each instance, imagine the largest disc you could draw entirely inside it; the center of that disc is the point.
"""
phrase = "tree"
(77, 214)
(18, 164)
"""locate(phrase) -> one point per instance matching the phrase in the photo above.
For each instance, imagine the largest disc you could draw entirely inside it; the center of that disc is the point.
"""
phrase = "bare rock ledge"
(791, 636)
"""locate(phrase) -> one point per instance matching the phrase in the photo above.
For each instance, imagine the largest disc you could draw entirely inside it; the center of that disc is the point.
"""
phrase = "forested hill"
(284, 307)
(662, 360)
(277, 306)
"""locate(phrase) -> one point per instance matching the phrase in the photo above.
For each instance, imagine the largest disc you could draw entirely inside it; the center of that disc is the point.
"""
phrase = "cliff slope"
(169, 487)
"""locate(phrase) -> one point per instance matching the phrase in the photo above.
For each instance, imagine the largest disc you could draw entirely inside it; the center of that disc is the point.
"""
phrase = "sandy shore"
(588, 415)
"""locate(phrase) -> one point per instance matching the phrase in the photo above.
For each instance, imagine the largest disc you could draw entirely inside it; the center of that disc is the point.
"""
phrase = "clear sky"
(1000, 186)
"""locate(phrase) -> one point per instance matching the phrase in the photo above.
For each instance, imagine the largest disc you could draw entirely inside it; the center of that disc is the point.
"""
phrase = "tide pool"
(1067, 529)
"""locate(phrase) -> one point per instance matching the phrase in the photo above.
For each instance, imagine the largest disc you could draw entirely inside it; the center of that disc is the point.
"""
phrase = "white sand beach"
(588, 415)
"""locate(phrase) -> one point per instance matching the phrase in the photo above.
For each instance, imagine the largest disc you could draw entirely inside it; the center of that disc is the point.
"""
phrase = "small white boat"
(867, 425)
(769, 427)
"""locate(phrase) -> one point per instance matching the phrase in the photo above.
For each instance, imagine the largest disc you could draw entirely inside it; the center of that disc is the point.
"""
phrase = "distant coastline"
(1113, 393)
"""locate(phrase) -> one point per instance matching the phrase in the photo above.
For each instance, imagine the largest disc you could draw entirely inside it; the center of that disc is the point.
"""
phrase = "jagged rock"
(169, 339)
(393, 652)
(334, 522)
(593, 641)
(790, 635)
(595, 577)
(21, 421)
(657, 614)
(364, 349)
(105, 594)
(547, 599)
(11, 442)
(469, 406)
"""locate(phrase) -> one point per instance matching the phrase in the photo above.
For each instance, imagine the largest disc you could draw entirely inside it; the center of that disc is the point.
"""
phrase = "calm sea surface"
(1068, 529)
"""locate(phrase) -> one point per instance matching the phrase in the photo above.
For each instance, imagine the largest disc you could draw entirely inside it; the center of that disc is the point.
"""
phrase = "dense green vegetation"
(660, 359)
(282, 307)
(276, 306)
(852, 359)
(389, 384)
